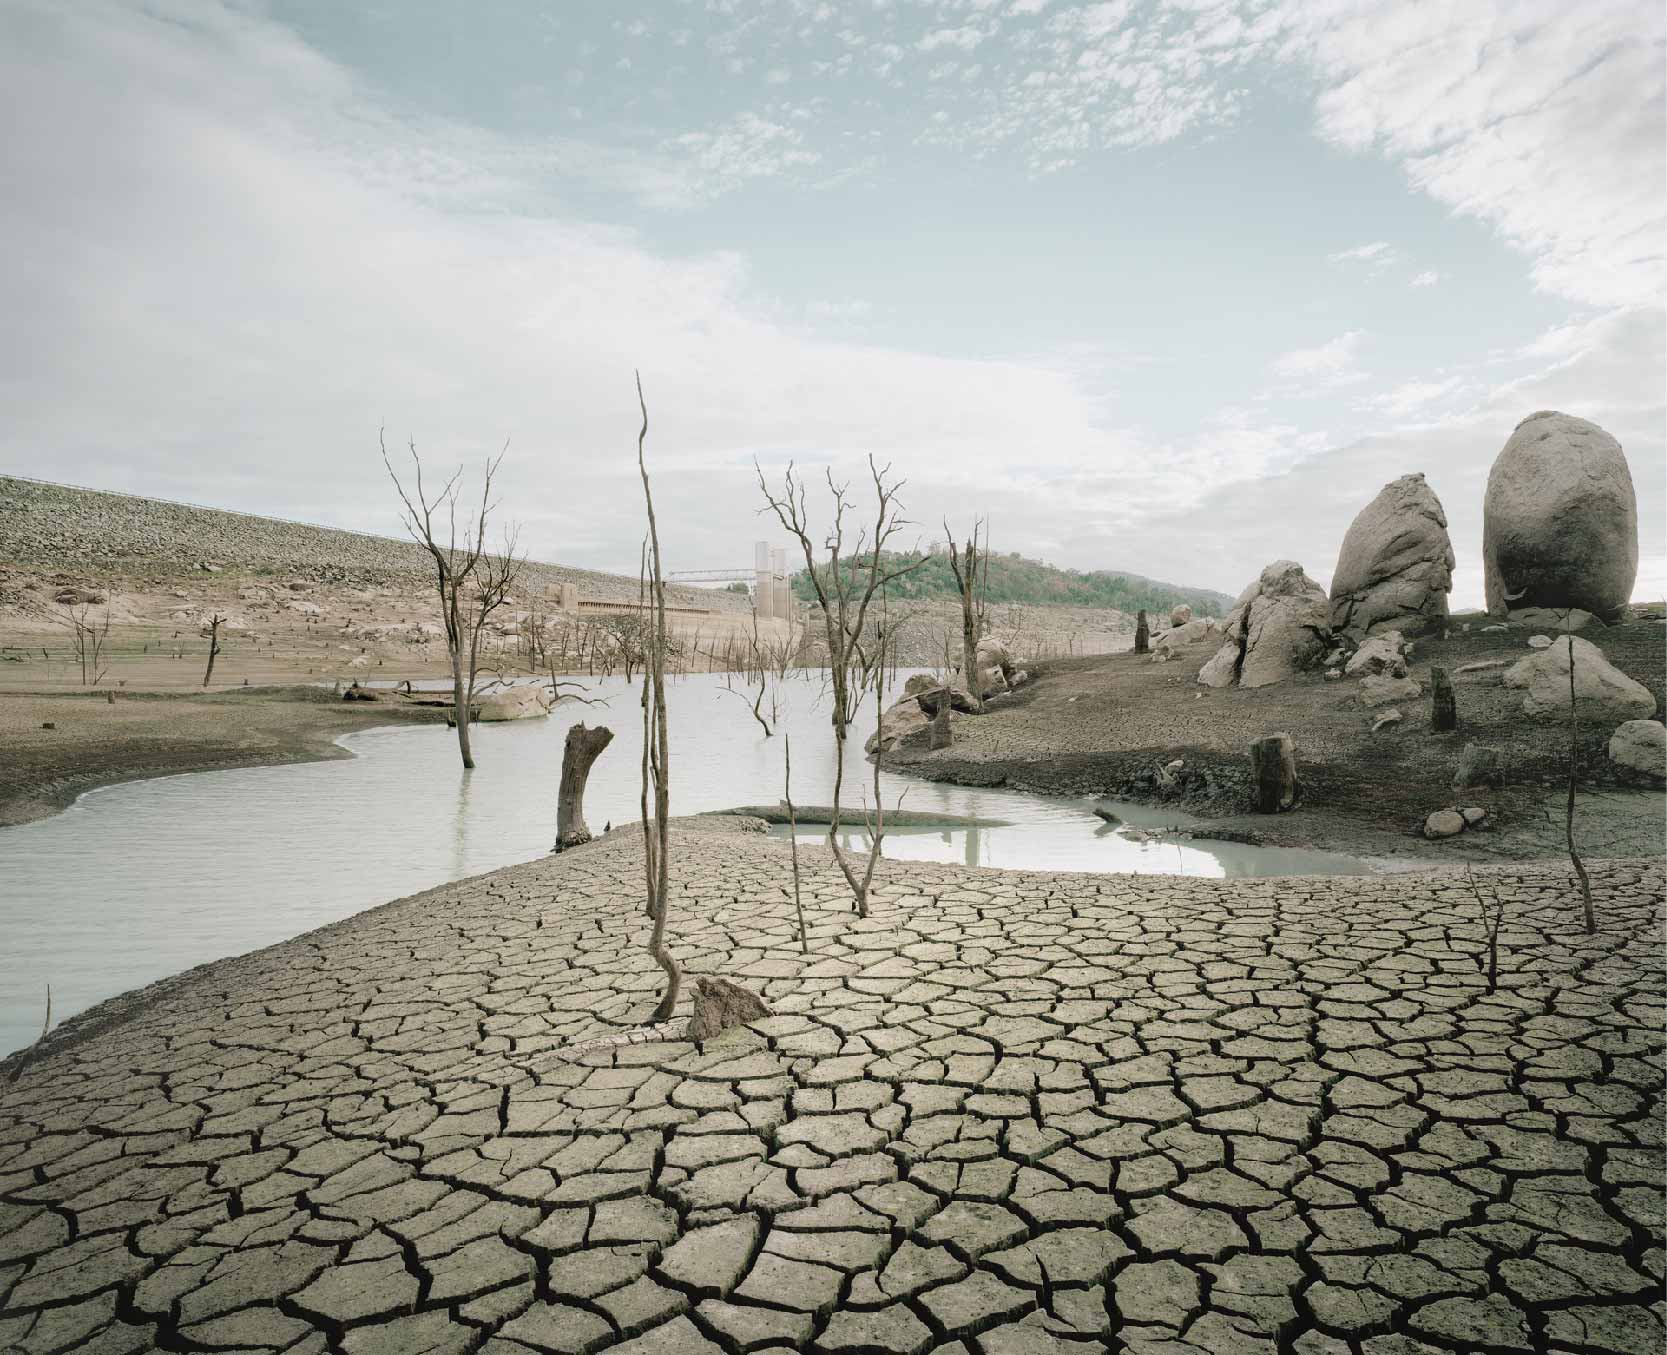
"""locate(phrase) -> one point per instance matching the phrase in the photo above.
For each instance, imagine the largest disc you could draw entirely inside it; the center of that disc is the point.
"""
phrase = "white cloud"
(1376, 256)
(746, 147)
(1324, 367)
(963, 39)
(1428, 278)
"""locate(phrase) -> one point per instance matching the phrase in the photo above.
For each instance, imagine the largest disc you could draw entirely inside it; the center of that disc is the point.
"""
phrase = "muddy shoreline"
(96, 742)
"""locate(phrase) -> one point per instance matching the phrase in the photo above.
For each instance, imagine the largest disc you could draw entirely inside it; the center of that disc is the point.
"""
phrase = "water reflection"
(141, 880)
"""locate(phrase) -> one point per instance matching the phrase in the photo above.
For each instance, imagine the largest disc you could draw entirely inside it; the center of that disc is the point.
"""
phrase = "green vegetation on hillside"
(1012, 578)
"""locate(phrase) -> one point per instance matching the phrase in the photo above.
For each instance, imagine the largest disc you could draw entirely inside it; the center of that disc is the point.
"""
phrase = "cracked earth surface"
(1009, 1113)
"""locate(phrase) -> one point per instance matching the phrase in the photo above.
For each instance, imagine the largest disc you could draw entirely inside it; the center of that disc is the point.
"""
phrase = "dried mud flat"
(1010, 1112)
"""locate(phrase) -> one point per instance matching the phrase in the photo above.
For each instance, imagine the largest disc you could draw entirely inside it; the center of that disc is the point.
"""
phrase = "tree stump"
(937, 733)
(583, 747)
(1444, 710)
(1273, 774)
(1142, 633)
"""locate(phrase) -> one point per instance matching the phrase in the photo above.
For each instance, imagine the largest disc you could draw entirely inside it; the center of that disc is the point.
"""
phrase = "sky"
(1168, 287)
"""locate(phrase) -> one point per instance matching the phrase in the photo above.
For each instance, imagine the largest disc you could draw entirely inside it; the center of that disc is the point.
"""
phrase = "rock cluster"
(1396, 565)
(1279, 626)
(1444, 823)
(1560, 519)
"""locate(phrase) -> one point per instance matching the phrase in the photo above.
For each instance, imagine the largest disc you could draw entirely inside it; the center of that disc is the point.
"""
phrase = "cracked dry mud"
(1009, 1113)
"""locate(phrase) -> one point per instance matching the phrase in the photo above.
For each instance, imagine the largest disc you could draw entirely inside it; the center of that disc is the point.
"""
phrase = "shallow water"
(141, 880)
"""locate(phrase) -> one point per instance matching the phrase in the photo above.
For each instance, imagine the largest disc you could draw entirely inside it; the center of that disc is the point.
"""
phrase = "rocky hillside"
(50, 527)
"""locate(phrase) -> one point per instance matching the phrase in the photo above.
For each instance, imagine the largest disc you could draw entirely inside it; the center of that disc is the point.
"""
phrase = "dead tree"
(89, 637)
(1574, 750)
(845, 588)
(793, 835)
(1493, 914)
(1142, 633)
(582, 748)
(966, 583)
(470, 583)
(656, 745)
(214, 624)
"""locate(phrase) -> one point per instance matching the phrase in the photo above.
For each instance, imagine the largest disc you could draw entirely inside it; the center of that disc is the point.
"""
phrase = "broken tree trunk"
(1444, 710)
(583, 747)
(938, 734)
(1142, 633)
(1273, 774)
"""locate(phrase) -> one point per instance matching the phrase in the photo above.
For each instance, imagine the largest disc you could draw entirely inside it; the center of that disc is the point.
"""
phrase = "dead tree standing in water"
(965, 569)
(471, 584)
(656, 747)
(845, 588)
(214, 624)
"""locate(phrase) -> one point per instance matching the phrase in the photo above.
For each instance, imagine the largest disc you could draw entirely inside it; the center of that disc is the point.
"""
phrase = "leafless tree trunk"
(845, 589)
(582, 748)
(214, 625)
(793, 836)
(88, 638)
(966, 582)
(471, 584)
(656, 747)
(1493, 914)
(1574, 748)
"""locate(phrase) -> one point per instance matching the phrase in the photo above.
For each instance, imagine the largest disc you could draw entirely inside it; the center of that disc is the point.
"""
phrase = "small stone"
(1539, 642)
(720, 1005)
(1444, 823)
(1389, 718)
(1474, 816)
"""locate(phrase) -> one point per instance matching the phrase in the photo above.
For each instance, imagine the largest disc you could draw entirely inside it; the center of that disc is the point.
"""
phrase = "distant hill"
(1012, 578)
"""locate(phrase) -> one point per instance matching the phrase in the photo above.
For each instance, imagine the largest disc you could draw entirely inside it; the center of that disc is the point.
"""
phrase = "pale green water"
(137, 881)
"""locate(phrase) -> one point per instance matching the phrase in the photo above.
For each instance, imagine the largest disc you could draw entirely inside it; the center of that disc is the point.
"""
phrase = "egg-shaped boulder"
(1396, 566)
(1560, 520)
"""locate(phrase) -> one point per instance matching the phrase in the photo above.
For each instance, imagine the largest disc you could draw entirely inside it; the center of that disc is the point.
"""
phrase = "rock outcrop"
(1279, 626)
(1396, 566)
(1601, 691)
(1560, 520)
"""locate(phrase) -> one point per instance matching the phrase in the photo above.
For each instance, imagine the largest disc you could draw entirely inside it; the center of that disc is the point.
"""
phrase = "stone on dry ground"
(1009, 1112)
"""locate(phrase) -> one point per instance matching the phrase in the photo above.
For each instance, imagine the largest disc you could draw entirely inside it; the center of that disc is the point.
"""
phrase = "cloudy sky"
(1172, 287)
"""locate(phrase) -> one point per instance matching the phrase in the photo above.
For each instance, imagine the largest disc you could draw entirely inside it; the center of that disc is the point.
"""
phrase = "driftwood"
(1273, 774)
(1142, 633)
(1444, 711)
(582, 749)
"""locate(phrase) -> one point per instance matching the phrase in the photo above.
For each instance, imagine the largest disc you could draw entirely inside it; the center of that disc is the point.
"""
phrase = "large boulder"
(1180, 614)
(1641, 746)
(1279, 626)
(1187, 633)
(1396, 566)
(1601, 691)
(1560, 520)
(523, 702)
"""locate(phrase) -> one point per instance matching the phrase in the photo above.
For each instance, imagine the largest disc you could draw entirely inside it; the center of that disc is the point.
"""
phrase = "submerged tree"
(656, 747)
(846, 587)
(964, 565)
(471, 583)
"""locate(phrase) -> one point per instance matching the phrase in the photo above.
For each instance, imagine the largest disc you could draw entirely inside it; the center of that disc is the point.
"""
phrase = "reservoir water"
(141, 880)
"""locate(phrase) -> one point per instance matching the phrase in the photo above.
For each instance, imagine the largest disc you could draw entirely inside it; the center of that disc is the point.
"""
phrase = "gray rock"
(1387, 719)
(1444, 823)
(1280, 626)
(1383, 654)
(720, 1005)
(1474, 816)
(1641, 746)
(1180, 614)
(1552, 618)
(525, 701)
(1396, 566)
(1560, 519)
(1478, 767)
(1539, 642)
(1601, 691)
(1381, 690)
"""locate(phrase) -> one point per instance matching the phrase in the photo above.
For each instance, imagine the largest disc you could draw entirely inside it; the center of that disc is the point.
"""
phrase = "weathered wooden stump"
(583, 747)
(938, 733)
(1273, 774)
(1142, 633)
(1444, 710)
